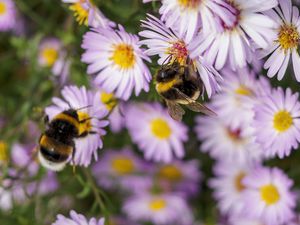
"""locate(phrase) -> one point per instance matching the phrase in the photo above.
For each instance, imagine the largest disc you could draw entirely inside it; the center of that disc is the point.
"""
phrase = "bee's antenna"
(84, 107)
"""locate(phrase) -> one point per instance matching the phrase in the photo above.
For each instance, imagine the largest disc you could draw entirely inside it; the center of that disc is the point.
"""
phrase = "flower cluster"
(109, 80)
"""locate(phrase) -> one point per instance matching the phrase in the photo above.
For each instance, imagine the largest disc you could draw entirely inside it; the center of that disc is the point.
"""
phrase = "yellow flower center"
(50, 55)
(3, 152)
(108, 100)
(85, 126)
(81, 14)
(178, 51)
(123, 165)
(123, 56)
(282, 121)
(238, 182)
(288, 37)
(157, 204)
(269, 194)
(160, 128)
(190, 4)
(170, 172)
(2, 8)
(243, 90)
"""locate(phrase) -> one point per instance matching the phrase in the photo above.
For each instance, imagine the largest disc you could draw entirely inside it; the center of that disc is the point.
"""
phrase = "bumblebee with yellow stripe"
(56, 144)
(180, 85)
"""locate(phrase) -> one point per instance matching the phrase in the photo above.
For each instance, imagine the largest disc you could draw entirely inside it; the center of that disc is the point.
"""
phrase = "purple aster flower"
(179, 176)
(233, 45)
(22, 157)
(7, 15)
(166, 43)
(225, 142)
(228, 187)
(286, 43)
(161, 209)
(122, 168)
(244, 221)
(11, 191)
(48, 184)
(77, 219)
(268, 196)
(189, 16)
(241, 90)
(155, 132)
(83, 100)
(88, 14)
(117, 59)
(277, 122)
(116, 119)
(52, 55)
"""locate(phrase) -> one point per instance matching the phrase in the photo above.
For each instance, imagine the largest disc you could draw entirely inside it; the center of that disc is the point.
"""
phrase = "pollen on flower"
(234, 135)
(85, 126)
(50, 55)
(269, 194)
(160, 128)
(288, 37)
(243, 90)
(157, 204)
(2, 8)
(123, 56)
(179, 52)
(3, 152)
(122, 165)
(282, 121)
(190, 4)
(170, 172)
(81, 14)
(109, 100)
(238, 182)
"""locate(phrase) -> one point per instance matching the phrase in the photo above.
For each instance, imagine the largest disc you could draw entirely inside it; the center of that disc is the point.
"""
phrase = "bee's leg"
(73, 158)
(84, 120)
(46, 119)
(186, 73)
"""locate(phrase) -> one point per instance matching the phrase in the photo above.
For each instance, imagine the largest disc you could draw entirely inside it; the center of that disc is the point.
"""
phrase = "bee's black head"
(167, 73)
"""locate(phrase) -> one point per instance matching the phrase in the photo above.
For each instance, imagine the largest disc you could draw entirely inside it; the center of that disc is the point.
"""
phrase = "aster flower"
(22, 157)
(52, 56)
(189, 16)
(155, 132)
(285, 45)
(77, 219)
(122, 168)
(117, 59)
(268, 196)
(228, 187)
(7, 15)
(180, 177)
(277, 122)
(225, 142)
(244, 221)
(166, 43)
(116, 119)
(88, 14)
(240, 92)
(160, 209)
(80, 98)
(233, 44)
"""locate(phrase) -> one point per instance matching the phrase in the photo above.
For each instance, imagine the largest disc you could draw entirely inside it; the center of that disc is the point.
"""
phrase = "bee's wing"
(175, 110)
(198, 107)
(194, 105)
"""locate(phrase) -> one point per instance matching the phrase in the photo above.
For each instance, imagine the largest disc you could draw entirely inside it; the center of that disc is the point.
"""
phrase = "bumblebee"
(180, 85)
(56, 144)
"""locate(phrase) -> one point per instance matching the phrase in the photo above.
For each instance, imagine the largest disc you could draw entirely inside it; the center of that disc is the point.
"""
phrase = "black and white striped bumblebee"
(56, 144)
(180, 85)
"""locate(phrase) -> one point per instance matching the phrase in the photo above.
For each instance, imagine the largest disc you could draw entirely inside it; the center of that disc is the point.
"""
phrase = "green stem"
(95, 190)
